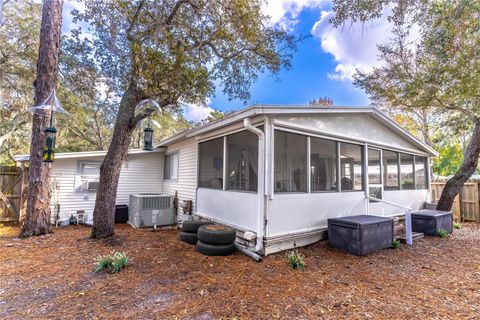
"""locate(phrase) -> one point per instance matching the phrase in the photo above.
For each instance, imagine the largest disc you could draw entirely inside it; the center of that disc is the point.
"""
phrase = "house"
(75, 177)
(277, 173)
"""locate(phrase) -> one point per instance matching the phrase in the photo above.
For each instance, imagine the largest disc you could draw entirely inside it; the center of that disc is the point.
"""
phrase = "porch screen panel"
(420, 172)
(210, 166)
(406, 172)
(351, 164)
(242, 153)
(290, 162)
(323, 161)
(374, 166)
(390, 170)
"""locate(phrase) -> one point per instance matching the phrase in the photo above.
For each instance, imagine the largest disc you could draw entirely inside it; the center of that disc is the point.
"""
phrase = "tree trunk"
(104, 212)
(37, 218)
(469, 164)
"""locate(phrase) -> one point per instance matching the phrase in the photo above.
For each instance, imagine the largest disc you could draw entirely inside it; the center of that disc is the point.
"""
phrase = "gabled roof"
(257, 110)
(85, 154)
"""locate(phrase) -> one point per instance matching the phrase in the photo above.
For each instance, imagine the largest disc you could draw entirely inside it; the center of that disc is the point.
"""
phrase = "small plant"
(295, 260)
(442, 233)
(113, 262)
(457, 225)
(396, 244)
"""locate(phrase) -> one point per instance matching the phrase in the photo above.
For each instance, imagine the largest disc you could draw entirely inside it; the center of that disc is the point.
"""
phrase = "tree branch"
(176, 7)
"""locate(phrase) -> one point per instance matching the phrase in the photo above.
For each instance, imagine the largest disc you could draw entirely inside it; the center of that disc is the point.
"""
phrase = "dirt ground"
(51, 277)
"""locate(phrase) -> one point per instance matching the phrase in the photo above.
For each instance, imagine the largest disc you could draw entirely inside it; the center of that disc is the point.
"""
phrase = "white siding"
(139, 173)
(301, 212)
(237, 209)
(186, 183)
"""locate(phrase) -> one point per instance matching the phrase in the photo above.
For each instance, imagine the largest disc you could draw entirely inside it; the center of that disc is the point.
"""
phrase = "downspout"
(261, 182)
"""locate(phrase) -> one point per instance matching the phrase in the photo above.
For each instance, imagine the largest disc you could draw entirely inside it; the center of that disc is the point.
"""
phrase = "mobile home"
(277, 173)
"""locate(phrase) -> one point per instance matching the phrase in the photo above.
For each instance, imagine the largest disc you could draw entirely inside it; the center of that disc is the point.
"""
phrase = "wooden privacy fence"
(10, 194)
(466, 206)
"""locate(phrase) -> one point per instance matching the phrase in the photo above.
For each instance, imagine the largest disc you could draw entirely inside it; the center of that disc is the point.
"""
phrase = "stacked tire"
(189, 230)
(216, 240)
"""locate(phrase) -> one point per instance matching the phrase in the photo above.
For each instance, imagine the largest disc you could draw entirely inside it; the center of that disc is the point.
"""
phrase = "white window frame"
(82, 179)
(175, 164)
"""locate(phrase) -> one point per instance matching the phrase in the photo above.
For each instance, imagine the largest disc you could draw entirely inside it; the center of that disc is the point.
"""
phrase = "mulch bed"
(52, 277)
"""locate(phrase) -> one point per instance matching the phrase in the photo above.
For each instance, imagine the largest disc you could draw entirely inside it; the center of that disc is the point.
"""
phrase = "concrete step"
(416, 236)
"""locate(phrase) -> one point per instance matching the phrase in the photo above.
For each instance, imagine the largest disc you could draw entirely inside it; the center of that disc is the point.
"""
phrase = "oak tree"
(435, 72)
(174, 51)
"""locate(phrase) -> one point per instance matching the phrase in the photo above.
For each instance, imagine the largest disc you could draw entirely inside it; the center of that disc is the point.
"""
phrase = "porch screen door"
(375, 176)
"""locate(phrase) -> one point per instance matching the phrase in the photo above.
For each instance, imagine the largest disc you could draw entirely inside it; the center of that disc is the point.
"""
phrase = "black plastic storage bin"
(360, 235)
(429, 222)
(121, 213)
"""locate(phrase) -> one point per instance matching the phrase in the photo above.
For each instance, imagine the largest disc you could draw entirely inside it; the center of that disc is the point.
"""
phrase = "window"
(323, 162)
(351, 159)
(170, 170)
(290, 162)
(406, 172)
(88, 175)
(210, 174)
(242, 150)
(420, 172)
(390, 170)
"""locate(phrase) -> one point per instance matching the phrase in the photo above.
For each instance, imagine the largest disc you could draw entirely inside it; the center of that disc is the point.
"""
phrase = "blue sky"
(305, 80)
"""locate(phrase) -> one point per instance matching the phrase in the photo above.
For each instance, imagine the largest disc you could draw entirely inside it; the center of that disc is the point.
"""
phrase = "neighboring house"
(277, 173)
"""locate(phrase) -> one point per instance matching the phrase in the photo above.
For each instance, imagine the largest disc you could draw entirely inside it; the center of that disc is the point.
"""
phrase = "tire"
(216, 234)
(188, 237)
(193, 225)
(215, 249)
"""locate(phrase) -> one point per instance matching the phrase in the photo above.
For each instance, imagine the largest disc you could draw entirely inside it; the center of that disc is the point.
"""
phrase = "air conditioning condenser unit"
(151, 210)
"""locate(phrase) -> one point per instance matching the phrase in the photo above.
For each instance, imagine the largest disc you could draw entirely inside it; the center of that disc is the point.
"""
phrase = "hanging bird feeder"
(53, 105)
(147, 139)
(148, 107)
(148, 124)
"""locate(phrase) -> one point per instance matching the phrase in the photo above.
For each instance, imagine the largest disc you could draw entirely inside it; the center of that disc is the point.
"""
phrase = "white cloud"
(67, 17)
(196, 112)
(353, 47)
(284, 13)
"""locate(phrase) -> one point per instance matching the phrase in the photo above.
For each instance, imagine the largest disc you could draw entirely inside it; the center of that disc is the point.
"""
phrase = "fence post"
(23, 194)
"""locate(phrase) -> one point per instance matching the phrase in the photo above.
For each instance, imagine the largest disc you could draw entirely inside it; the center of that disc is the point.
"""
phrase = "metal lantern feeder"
(147, 139)
(148, 107)
(49, 151)
(52, 104)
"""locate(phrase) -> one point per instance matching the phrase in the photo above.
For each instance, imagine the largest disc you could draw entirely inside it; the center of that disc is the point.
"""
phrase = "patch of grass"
(442, 233)
(396, 244)
(113, 262)
(295, 260)
(457, 225)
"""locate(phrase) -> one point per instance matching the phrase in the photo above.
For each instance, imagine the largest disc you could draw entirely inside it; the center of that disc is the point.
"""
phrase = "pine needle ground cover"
(53, 277)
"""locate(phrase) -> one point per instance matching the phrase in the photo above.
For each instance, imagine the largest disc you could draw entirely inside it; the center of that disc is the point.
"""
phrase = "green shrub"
(442, 233)
(396, 244)
(112, 263)
(457, 225)
(295, 260)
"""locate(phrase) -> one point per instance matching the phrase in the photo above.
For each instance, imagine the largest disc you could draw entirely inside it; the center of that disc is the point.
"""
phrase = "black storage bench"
(360, 235)
(429, 222)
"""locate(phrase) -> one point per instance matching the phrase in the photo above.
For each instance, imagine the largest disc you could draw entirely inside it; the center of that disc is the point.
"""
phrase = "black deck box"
(430, 222)
(360, 235)
(121, 213)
